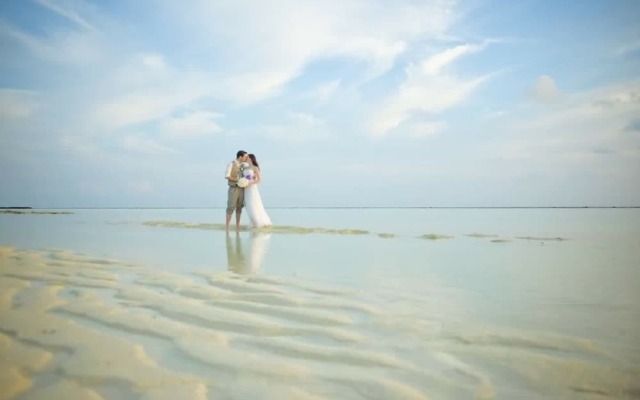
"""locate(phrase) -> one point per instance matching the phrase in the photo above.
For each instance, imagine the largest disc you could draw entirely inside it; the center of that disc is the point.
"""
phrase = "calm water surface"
(572, 272)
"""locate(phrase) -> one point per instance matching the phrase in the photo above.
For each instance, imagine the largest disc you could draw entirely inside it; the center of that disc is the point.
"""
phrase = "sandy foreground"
(74, 326)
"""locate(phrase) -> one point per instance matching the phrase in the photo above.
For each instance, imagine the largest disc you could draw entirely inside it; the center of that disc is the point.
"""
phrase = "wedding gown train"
(255, 210)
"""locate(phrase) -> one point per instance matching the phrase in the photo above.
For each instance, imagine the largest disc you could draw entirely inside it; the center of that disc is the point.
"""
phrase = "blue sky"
(345, 103)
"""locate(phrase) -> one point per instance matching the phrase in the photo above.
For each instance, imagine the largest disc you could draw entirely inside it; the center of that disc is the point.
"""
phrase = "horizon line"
(311, 207)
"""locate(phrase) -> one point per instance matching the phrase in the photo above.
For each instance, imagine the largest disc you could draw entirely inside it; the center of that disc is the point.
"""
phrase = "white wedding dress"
(253, 204)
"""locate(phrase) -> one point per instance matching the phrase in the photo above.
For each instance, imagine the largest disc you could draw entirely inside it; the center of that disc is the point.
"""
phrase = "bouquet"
(247, 175)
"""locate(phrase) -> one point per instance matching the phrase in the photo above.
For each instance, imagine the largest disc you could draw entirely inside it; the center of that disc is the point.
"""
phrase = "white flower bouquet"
(247, 175)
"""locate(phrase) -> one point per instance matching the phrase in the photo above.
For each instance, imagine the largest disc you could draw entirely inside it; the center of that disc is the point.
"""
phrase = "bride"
(252, 200)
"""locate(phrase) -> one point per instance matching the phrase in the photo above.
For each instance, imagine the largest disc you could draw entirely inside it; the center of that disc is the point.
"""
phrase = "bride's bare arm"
(258, 176)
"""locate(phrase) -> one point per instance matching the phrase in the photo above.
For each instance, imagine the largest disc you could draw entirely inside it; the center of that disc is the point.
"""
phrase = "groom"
(235, 197)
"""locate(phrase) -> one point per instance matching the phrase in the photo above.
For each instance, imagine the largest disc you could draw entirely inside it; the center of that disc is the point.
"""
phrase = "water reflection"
(237, 260)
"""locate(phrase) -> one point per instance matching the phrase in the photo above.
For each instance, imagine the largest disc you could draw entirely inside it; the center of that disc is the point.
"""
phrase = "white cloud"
(135, 108)
(545, 90)
(428, 88)
(379, 53)
(287, 35)
(244, 66)
(191, 124)
(64, 9)
(149, 104)
(146, 71)
(436, 63)
(153, 61)
(134, 84)
(589, 107)
(63, 47)
(587, 132)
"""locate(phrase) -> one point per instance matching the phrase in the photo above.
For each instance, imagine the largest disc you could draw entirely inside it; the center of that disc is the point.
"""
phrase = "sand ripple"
(76, 326)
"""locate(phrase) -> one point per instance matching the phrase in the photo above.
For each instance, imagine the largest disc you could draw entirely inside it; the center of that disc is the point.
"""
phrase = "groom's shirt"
(233, 171)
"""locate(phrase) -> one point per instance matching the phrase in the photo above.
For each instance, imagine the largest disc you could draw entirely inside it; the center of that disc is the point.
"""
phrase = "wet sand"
(78, 326)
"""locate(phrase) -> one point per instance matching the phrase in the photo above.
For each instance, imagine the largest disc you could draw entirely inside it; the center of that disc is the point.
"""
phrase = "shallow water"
(351, 303)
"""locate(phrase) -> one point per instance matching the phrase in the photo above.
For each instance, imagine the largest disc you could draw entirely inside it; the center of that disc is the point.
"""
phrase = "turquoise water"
(491, 273)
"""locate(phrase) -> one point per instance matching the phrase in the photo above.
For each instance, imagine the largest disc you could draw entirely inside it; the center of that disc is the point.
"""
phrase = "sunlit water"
(466, 286)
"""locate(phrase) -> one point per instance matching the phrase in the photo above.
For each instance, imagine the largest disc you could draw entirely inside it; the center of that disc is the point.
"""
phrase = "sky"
(349, 103)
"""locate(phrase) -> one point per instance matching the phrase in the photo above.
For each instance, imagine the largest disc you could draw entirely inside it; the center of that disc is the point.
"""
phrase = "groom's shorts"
(235, 199)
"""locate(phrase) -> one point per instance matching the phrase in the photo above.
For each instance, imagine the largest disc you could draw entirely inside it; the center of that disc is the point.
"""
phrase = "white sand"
(75, 326)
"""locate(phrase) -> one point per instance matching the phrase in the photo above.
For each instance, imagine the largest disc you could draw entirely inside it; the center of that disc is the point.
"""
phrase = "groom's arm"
(229, 175)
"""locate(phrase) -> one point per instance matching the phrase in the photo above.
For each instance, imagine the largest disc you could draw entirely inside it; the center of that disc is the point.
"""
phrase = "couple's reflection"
(237, 260)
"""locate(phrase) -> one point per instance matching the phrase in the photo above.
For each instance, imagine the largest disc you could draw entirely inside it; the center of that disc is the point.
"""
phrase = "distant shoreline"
(23, 211)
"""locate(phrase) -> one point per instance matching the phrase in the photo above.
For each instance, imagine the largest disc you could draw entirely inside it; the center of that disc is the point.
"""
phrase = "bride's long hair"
(254, 161)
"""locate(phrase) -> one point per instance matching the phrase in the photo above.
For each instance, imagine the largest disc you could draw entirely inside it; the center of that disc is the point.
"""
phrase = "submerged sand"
(73, 326)
(291, 229)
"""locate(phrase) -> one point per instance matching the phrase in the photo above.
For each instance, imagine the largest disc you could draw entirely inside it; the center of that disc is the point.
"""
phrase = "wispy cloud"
(62, 47)
(436, 63)
(154, 86)
(618, 102)
(148, 103)
(197, 123)
(428, 88)
(244, 66)
(65, 9)
(288, 35)
(581, 130)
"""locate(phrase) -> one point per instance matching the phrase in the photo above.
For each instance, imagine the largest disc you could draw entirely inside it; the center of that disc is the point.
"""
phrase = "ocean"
(348, 303)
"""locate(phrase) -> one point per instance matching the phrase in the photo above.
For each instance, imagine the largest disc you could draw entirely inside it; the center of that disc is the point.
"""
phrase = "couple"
(243, 176)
